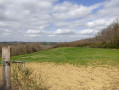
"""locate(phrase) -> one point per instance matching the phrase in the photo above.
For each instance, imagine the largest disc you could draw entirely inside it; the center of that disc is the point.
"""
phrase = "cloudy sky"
(55, 20)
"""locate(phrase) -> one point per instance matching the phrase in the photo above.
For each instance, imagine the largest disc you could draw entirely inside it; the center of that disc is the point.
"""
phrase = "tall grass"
(25, 79)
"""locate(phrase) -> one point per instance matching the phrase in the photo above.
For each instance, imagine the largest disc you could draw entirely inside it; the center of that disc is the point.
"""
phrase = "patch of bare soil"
(70, 77)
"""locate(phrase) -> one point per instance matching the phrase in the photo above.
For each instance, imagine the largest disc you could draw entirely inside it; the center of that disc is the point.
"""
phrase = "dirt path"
(69, 77)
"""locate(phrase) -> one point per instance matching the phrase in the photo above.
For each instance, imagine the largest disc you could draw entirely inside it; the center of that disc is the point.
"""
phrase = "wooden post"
(6, 72)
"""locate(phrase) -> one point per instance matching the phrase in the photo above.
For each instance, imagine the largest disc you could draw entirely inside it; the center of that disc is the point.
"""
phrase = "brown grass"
(69, 77)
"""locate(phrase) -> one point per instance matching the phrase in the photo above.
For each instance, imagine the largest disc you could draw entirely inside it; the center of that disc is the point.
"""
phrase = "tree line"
(106, 38)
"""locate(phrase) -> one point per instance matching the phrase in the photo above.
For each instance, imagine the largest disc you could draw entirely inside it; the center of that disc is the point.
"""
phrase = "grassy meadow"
(58, 71)
(73, 55)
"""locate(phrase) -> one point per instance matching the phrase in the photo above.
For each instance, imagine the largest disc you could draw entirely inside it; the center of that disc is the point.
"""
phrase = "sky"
(55, 20)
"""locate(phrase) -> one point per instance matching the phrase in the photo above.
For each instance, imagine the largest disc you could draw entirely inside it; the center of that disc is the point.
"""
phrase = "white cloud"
(51, 21)
(63, 32)
(88, 32)
(32, 35)
(33, 31)
(5, 33)
(69, 11)
(99, 22)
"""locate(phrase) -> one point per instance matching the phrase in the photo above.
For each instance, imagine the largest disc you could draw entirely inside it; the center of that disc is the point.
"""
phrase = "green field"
(74, 55)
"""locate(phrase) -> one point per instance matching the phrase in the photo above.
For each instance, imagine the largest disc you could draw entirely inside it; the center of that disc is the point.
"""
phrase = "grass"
(73, 55)
(25, 79)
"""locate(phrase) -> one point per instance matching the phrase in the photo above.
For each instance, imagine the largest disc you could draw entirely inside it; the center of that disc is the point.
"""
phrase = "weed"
(25, 79)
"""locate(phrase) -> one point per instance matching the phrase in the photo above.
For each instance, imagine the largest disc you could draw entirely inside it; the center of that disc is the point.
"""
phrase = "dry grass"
(69, 77)
(25, 78)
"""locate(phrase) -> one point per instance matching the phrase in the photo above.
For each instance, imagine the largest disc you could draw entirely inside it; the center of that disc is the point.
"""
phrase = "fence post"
(6, 72)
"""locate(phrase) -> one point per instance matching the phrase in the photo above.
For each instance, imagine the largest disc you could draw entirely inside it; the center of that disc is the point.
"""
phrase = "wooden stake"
(6, 72)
